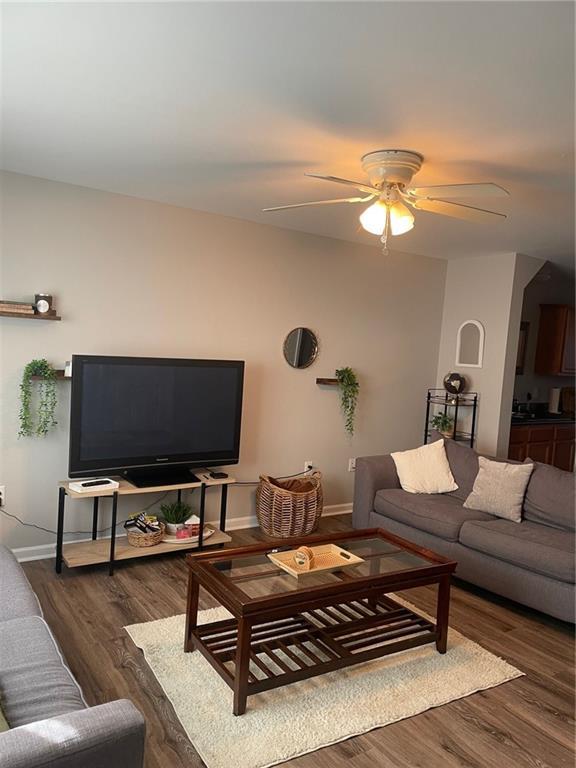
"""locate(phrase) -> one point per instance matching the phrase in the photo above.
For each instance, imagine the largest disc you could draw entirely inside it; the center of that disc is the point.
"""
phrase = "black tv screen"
(129, 412)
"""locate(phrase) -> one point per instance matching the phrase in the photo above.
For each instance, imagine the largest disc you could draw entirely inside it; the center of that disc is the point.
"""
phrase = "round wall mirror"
(300, 348)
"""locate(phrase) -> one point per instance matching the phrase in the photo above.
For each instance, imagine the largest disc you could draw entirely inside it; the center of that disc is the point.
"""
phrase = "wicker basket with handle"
(287, 508)
(141, 539)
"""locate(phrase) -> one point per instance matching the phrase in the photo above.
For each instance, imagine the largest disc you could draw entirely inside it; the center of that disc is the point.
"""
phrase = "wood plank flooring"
(525, 722)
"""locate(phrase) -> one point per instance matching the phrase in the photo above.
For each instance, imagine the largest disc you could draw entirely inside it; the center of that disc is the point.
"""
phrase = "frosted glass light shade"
(373, 219)
(401, 219)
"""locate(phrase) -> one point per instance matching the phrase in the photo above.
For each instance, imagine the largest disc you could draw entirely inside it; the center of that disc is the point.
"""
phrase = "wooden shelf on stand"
(97, 552)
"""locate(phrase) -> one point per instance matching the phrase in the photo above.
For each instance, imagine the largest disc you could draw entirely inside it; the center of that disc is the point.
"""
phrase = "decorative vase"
(173, 528)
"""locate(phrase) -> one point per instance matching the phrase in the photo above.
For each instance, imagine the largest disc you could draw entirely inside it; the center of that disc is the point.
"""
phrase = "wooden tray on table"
(327, 558)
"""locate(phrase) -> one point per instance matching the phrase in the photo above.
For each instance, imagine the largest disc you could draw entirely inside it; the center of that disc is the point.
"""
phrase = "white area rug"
(302, 717)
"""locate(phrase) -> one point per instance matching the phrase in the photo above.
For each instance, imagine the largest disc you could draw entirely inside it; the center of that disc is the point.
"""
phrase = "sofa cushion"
(500, 488)
(550, 497)
(424, 469)
(34, 681)
(18, 599)
(537, 548)
(437, 514)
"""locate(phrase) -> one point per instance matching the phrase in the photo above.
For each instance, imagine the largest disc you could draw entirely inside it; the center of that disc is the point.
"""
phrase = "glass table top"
(257, 576)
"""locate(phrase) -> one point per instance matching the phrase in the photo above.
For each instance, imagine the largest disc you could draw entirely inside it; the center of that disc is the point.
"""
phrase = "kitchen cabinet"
(547, 443)
(555, 352)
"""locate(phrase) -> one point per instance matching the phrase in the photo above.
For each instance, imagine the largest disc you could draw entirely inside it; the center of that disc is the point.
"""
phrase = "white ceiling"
(222, 107)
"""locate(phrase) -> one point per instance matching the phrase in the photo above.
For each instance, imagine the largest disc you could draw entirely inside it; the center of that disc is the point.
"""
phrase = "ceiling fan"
(390, 173)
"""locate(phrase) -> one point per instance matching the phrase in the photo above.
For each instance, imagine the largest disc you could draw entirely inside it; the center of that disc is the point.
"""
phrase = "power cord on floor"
(121, 522)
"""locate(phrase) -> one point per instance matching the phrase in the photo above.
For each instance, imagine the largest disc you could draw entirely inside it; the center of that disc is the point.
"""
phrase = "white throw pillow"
(425, 469)
(499, 488)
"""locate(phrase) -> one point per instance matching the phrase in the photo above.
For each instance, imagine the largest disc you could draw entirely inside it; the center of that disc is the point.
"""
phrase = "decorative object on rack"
(175, 515)
(443, 423)
(29, 427)
(40, 309)
(470, 344)
(454, 404)
(300, 348)
(454, 383)
(349, 388)
(288, 508)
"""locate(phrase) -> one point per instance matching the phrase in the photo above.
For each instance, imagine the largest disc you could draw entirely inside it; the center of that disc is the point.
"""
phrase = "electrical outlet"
(308, 465)
(352, 465)
(2, 495)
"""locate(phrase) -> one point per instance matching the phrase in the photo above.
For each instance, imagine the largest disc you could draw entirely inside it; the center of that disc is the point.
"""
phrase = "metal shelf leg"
(113, 533)
(60, 529)
(223, 502)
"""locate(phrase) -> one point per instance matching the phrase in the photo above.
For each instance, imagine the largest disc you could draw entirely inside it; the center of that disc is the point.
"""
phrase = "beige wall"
(488, 289)
(133, 277)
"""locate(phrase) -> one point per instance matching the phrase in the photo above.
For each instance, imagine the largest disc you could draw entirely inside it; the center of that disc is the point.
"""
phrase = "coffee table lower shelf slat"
(315, 642)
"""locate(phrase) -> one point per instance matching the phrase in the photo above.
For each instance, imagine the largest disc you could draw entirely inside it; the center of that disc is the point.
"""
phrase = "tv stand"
(104, 550)
(155, 476)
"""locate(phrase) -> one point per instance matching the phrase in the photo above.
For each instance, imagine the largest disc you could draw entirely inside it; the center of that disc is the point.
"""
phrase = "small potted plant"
(175, 515)
(444, 424)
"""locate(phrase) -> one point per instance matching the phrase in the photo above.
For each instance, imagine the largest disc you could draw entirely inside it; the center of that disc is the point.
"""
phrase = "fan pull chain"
(384, 238)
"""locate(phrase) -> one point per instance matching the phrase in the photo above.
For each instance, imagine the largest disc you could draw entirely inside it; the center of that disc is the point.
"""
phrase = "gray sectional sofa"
(531, 562)
(50, 723)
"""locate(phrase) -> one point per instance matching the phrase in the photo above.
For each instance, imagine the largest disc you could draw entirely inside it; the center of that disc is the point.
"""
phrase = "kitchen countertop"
(540, 420)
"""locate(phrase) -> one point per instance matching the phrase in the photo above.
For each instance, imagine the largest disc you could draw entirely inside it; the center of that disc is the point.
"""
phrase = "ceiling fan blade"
(322, 202)
(456, 210)
(459, 190)
(358, 184)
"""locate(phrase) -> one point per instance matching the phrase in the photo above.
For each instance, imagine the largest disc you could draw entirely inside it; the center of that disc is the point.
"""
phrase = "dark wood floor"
(525, 722)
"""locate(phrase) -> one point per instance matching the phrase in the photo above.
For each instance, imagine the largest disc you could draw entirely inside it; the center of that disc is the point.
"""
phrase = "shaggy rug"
(305, 716)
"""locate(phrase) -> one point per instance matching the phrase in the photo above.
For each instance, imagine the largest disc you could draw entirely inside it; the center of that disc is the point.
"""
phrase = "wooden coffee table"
(286, 629)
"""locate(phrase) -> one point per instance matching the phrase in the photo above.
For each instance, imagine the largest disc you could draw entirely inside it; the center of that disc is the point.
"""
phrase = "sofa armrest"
(372, 474)
(107, 736)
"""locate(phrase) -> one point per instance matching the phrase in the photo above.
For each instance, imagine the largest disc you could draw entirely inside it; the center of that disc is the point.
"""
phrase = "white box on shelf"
(94, 484)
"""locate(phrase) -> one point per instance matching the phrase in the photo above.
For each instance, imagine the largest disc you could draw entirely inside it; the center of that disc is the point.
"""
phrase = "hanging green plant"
(349, 389)
(29, 426)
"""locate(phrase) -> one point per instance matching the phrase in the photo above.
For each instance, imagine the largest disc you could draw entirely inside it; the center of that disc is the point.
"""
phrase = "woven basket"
(287, 508)
(141, 539)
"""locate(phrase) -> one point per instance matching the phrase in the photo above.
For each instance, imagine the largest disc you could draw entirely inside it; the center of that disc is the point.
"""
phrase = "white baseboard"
(47, 551)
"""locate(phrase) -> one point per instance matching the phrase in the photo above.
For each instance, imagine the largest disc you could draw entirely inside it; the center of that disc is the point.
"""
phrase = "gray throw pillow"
(499, 488)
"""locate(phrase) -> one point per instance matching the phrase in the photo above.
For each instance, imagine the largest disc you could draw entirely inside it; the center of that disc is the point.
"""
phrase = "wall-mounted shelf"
(59, 375)
(327, 382)
(4, 313)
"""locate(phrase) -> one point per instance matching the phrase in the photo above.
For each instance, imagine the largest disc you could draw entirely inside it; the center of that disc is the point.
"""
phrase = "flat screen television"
(153, 419)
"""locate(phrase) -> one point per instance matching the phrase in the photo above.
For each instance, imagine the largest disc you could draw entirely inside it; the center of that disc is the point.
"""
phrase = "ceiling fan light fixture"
(373, 219)
(401, 219)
